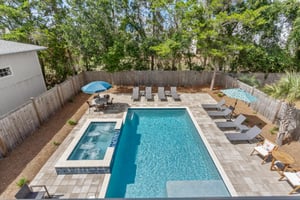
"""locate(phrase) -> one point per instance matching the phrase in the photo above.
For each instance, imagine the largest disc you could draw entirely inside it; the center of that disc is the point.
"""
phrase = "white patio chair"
(293, 178)
(264, 149)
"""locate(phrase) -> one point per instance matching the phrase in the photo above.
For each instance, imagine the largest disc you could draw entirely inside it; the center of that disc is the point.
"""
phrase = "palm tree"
(287, 89)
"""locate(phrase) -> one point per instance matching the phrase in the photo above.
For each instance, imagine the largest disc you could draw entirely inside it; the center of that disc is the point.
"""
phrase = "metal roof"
(9, 47)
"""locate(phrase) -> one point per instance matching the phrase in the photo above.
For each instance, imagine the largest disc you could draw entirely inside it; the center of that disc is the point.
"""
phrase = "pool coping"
(218, 165)
(65, 166)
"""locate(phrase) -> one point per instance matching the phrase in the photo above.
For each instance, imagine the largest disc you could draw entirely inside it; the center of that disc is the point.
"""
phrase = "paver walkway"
(245, 172)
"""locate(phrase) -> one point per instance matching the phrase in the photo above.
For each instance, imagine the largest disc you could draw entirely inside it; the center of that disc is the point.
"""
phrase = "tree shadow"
(252, 120)
(116, 108)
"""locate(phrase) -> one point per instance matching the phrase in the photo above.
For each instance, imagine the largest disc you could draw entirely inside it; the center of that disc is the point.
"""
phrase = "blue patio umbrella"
(96, 87)
(239, 94)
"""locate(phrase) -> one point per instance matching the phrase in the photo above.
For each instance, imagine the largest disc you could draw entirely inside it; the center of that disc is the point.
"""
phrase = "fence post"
(60, 95)
(36, 110)
(3, 148)
(73, 85)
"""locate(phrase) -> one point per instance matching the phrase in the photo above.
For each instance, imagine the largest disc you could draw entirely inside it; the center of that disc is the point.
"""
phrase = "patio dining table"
(284, 158)
(100, 103)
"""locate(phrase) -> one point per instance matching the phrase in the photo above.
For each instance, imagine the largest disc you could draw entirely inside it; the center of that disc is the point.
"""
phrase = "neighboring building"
(20, 74)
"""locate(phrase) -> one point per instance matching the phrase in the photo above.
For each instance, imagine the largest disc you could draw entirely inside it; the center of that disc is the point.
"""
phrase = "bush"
(56, 143)
(22, 182)
(250, 80)
(274, 130)
(72, 122)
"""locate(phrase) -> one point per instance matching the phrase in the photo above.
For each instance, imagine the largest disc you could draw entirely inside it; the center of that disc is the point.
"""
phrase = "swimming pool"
(91, 151)
(160, 154)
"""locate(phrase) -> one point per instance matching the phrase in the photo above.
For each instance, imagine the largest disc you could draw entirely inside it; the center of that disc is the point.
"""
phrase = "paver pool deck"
(246, 173)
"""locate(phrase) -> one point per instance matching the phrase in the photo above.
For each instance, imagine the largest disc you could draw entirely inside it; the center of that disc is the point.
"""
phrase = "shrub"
(56, 143)
(220, 94)
(22, 182)
(250, 80)
(274, 130)
(72, 122)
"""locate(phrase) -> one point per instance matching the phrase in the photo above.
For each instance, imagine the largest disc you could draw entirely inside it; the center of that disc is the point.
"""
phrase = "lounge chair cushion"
(268, 146)
(293, 178)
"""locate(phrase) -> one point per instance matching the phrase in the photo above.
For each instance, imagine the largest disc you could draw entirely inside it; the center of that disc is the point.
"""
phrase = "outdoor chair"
(219, 106)
(237, 123)
(247, 136)
(148, 93)
(293, 178)
(27, 192)
(110, 102)
(224, 113)
(174, 94)
(90, 105)
(161, 94)
(264, 149)
(135, 94)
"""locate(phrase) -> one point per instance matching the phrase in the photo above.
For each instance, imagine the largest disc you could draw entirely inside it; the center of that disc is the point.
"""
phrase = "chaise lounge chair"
(293, 178)
(224, 113)
(247, 136)
(135, 94)
(161, 94)
(237, 124)
(219, 106)
(148, 93)
(174, 94)
(264, 149)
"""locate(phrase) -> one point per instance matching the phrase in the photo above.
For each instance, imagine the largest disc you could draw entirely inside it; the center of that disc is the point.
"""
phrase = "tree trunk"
(212, 84)
(287, 123)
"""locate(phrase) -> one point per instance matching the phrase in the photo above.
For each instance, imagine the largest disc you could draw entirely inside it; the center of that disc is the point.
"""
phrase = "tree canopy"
(115, 35)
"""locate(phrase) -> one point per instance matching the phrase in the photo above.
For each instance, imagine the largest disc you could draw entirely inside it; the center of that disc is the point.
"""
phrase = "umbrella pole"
(236, 101)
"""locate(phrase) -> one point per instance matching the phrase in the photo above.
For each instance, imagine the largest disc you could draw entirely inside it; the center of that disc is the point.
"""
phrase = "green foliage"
(55, 143)
(72, 122)
(138, 34)
(22, 182)
(287, 88)
(250, 80)
(274, 130)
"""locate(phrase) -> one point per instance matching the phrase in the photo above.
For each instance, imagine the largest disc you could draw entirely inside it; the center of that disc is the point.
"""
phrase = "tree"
(287, 89)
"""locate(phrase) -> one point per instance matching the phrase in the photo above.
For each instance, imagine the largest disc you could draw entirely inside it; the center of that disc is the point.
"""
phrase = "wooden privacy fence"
(152, 78)
(24, 120)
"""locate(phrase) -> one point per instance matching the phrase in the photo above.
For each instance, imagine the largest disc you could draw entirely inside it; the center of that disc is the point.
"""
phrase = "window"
(5, 72)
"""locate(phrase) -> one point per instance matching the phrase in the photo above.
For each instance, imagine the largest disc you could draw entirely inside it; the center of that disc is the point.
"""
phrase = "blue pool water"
(156, 148)
(94, 142)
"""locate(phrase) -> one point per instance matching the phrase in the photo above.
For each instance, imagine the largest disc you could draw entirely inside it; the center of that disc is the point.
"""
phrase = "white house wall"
(26, 80)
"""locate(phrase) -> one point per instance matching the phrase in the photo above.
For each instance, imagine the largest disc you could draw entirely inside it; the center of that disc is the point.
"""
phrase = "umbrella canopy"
(239, 94)
(95, 87)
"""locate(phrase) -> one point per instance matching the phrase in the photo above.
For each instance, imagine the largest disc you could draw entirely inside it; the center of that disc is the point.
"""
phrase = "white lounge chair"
(135, 94)
(224, 113)
(293, 178)
(247, 136)
(237, 124)
(264, 149)
(174, 94)
(148, 93)
(161, 94)
(218, 106)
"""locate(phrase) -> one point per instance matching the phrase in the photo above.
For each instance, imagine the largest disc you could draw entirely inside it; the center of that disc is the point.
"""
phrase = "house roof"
(9, 47)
